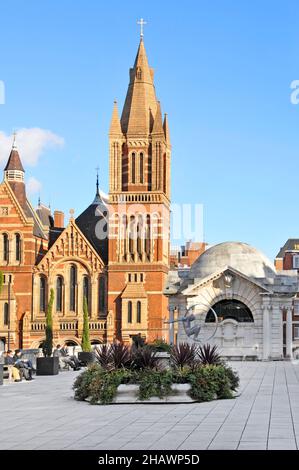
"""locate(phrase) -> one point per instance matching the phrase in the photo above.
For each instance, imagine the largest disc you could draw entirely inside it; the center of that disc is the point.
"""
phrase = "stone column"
(266, 330)
(171, 324)
(289, 333)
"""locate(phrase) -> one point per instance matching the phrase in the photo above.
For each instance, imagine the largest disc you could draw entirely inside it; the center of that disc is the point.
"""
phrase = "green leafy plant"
(47, 346)
(118, 364)
(183, 355)
(161, 346)
(103, 356)
(208, 354)
(145, 358)
(154, 383)
(233, 377)
(86, 346)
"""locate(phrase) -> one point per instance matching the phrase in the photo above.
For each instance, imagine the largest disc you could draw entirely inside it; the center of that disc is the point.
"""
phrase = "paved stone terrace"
(43, 415)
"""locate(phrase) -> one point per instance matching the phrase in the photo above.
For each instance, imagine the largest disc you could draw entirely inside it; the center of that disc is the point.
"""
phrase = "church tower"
(139, 210)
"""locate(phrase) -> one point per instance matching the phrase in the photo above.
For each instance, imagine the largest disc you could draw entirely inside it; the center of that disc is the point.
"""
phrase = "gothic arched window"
(138, 311)
(42, 294)
(5, 247)
(133, 169)
(129, 311)
(5, 314)
(141, 168)
(102, 294)
(18, 246)
(59, 293)
(86, 289)
(147, 240)
(131, 235)
(73, 284)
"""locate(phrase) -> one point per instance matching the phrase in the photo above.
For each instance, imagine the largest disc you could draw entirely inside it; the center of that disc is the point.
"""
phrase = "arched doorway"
(235, 335)
(230, 309)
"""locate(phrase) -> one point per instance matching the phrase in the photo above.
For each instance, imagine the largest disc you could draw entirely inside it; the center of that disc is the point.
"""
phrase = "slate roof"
(288, 246)
(88, 224)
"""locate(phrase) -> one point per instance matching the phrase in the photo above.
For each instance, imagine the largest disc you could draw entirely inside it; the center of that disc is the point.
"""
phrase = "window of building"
(102, 294)
(133, 168)
(5, 314)
(141, 167)
(42, 294)
(73, 284)
(18, 247)
(295, 262)
(59, 293)
(86, 289)
(296, 307)
(141, 277)
(230, 309)
(138, 311)
(296, 332)
(5, 247)
(129, 311)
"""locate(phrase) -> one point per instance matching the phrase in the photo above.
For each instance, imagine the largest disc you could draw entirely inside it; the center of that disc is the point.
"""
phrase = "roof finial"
(39, 200)
(97, 183)
(141, 22)
(14, 143)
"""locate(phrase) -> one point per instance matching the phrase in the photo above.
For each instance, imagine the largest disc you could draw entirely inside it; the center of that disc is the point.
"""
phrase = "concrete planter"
(86, 357)
(129, 394)
(47, 365)
(1, 374)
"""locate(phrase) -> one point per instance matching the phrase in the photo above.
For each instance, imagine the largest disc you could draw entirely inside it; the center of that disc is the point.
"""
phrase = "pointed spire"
(14, 161)
(158, 126)
(14, 174)
(141, 97)
(98, 199)
(115, 128)
(166, 129)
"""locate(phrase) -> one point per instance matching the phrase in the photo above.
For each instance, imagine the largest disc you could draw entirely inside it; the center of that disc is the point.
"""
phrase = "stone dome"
(240, 256)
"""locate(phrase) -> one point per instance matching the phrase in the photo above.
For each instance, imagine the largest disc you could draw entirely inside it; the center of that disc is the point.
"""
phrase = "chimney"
(58, 219)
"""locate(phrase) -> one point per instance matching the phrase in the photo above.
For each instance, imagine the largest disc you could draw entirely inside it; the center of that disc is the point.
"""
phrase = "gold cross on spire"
(141, 22)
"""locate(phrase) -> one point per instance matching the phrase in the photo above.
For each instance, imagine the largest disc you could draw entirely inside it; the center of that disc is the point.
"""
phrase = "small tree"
(48, 343)
(86, 346)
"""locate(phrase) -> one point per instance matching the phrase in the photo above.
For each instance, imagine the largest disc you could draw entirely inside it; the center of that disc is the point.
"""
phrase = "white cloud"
(31, 143)
(33, 186)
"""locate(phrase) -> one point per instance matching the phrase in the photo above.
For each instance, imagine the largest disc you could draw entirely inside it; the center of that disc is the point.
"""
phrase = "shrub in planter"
(48, 365)
(233, 377)
(86, 356)
(210, 382)
(155, 383)
(208, 354)
(161, 346)
(145, 358)
(114, 356)
(183, 355)
(103, 356)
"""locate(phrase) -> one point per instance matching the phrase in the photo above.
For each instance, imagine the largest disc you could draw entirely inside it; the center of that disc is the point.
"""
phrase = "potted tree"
(1, 364)
(48, 365)
(86, 356)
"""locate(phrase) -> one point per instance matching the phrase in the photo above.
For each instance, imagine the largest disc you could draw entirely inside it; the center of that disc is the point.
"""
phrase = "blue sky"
(223, 71)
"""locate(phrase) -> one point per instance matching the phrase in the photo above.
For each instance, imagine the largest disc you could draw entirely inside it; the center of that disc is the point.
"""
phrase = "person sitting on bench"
(65, 359)
(13, 372)
(24, 366)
